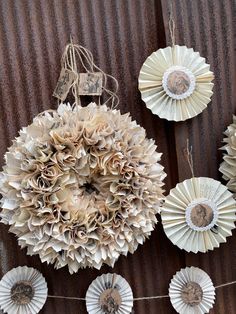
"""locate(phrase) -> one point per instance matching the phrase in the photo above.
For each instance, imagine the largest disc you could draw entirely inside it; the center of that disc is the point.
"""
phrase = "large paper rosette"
(176, 83)
(81, 186)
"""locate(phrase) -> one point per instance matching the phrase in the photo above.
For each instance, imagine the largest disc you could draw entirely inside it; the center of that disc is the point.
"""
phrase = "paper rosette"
(109, 294)
(176, 83)
(23, 290)
(228, 166)
(199, 214)
(191, 291)
(81, 186)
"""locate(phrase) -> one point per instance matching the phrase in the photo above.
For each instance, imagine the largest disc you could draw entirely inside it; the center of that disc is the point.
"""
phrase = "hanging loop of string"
(172, 25)
(74, 52)
(188, 153)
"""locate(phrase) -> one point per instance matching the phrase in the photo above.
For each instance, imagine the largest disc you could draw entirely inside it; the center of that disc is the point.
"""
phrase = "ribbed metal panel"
(121, 34)
(209, 27)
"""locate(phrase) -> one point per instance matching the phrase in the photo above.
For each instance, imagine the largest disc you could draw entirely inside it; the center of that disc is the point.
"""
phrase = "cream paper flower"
(109, 294)
(23, 290)
(228, 166)
(175, 83)
(81, 186)
(199, 214)
(191, 291)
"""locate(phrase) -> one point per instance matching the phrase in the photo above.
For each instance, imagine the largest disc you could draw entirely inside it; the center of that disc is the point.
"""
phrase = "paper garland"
(191, 291)
(199, 214)
(81, 186)
(109, 294)
(176, 83)
(228, 166)
(23, 290)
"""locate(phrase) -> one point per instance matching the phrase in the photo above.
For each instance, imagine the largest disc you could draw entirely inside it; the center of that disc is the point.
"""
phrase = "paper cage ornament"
(109, 294)
(199, 214)
(176, 83)
(23, 290)
(228, 166)
(191, 291)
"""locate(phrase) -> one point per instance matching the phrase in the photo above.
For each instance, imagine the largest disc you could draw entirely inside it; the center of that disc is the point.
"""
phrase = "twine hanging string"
(136, 299)
(68, 61)
(188, 153)
(172, 25)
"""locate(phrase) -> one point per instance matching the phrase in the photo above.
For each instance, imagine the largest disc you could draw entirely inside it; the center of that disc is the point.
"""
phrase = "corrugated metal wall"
(209, 27)
(121, 34)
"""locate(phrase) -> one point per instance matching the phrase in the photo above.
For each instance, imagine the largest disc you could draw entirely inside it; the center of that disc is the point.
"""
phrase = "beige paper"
(110, 294)
(64, 84)
(90, 84)
(199, 214)
(175, 83)
(191, 291)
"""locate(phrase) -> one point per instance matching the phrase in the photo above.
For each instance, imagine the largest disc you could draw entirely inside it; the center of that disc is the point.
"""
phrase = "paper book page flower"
(228, 166)
(109, 294)
(199, 214)
(23, 290)
(176, 83)
(81, 186)
(191, 291)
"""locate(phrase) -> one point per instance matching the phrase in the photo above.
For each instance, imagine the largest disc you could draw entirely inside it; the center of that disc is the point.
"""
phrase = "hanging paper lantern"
(109, 294)
(175, 83)
(228, 166)
(23, 290)
(199, 214)
(81, 186)
(191, 291)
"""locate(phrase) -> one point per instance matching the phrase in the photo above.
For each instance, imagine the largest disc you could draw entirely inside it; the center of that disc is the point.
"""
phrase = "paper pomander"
(199, 214)
(81, 186)
(191, 291)
(176, 83)
(109, 294)
(228, 166)
(23, 290)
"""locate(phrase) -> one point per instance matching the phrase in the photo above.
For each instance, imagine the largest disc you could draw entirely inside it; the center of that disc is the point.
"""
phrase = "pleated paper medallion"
(109, 294)
(199, 214)
(228, 166)
(176, 83)
(23, 290)
(191, 291)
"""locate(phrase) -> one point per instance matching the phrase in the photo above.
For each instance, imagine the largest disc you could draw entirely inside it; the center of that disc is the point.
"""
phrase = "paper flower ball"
(23, 290)
(228, 166)
(199, 214)
(81, 186)
(191, 291)
(109, 294)
(175, 83)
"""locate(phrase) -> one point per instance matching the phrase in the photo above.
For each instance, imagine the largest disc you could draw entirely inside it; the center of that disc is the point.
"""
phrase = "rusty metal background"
(209, 27)
(121, 34)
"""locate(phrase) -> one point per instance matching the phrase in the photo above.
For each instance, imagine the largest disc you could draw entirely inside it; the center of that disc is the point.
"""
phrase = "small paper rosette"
(176, 83)
(23, 290)
(191, 291)
(199, 214)
(228, 166)
(109, 294)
